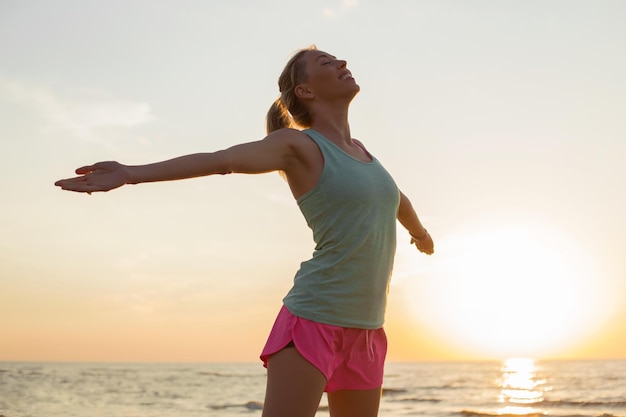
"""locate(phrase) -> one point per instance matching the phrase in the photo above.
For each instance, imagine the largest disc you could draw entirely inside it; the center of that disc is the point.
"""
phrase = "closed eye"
(325, 59)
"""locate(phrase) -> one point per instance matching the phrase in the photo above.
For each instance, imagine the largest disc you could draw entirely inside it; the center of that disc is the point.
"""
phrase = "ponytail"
(288, 110)
(277, 117)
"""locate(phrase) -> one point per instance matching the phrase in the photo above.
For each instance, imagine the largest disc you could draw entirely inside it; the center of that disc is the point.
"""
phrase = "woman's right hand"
(103, 176)
(424, 244)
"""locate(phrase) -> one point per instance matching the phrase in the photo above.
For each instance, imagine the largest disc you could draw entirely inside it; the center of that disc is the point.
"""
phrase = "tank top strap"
(324, 144)
(331, 151)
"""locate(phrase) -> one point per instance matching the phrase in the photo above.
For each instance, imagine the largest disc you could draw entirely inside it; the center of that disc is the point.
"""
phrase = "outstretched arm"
(273, 153)
(419, 235)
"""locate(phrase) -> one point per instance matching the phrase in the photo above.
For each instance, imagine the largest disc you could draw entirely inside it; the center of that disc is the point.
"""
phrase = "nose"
(342, 63)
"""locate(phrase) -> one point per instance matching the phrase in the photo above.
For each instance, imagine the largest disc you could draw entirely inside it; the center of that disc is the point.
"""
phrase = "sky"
(503, 121)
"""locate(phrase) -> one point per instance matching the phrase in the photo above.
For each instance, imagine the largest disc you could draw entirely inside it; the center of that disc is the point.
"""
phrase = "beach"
(517, 387)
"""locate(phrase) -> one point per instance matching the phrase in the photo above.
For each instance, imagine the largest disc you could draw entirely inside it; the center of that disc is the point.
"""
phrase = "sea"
(515, 387)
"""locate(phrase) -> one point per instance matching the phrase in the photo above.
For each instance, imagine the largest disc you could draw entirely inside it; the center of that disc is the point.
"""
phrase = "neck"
(332, 123)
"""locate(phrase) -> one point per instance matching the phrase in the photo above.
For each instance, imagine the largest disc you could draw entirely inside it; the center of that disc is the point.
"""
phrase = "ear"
(303, 92)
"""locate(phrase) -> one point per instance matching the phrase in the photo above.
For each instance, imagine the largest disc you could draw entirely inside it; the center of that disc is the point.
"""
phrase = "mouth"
(345, 75)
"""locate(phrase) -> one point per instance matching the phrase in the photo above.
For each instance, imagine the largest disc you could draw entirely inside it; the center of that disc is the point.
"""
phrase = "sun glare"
(509, 291)
(521, 387)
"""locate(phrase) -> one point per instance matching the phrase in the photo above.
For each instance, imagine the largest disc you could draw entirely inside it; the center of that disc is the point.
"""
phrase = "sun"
(507, 289)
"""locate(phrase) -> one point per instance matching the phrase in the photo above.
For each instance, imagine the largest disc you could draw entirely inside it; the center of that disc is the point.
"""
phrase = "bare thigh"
(349, 403)
(294, 386)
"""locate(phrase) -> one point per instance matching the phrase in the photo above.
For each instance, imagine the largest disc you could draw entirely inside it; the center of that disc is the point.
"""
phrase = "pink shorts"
(350, 359)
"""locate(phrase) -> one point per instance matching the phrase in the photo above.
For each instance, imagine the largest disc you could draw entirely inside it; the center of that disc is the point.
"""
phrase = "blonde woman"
(328, 335)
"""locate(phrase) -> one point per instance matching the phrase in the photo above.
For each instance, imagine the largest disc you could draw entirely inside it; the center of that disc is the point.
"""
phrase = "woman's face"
(328, 77)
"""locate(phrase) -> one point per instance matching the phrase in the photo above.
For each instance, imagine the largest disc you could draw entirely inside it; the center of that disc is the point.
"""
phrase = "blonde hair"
(287, 110)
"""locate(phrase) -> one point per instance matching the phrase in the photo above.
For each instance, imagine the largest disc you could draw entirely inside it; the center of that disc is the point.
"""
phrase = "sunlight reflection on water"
(521, 387)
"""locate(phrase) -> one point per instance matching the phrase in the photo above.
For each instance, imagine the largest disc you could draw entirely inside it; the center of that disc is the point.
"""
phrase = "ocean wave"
(443, 387)
(583, 404)
(469, 413)
(394, 393)
(416, 400)
(250, 405)
(229, 375)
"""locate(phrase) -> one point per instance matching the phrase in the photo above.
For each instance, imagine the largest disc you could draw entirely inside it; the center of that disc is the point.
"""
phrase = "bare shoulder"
(300, 144)
(287, 135)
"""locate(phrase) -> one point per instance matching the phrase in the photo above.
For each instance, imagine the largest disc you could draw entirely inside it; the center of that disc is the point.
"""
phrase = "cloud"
(80, 115)
(344, 6)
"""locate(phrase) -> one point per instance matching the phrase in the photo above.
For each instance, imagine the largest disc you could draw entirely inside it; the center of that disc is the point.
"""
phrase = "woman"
(328, 335)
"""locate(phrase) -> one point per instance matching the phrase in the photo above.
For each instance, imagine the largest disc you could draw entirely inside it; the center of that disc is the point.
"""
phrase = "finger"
(85, 169)
(75, 180)
(61, 183)
(78, 184)
(80, 188)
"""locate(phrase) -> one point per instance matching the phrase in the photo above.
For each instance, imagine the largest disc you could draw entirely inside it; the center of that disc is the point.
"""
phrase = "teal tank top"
(352, 212)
